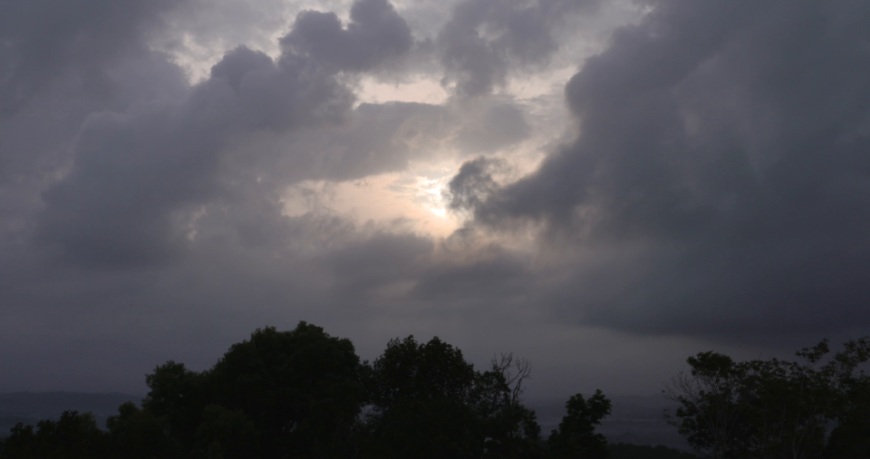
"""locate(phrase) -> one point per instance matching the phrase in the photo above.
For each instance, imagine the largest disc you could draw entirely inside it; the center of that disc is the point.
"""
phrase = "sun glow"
(409, 198)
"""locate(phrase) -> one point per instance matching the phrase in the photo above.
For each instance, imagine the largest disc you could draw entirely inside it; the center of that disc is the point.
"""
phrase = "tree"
(177, 397)
(428, 402)
(576, 437)
(138, 434)
(774, 408)
(421, 401)
(225, 434)
(711, 417)
(510, 429)
(297, 392)
(73, 436)
(302, 389)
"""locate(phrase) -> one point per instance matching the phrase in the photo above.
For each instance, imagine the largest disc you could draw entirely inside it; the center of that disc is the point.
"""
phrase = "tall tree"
(296, 392)
(302, 389)
(421, 397)
(576, 438)
(428, 402)
(510, 429)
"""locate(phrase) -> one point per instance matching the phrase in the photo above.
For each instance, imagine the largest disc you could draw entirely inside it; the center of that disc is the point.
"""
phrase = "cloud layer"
(712, 184)
(722, 158)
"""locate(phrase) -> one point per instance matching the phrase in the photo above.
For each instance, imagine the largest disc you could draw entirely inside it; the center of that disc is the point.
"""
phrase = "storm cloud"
(722, 159)
(484, 39)
(172, 177)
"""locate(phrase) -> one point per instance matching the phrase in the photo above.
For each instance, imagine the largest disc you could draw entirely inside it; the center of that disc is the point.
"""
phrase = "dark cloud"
(472, 186)
(375, 34)
(485, 38)
(719, 184)
(44, 40)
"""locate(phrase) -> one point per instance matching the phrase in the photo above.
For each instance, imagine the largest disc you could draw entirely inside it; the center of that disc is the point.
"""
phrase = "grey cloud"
(371, 139)
(472, 186)
(377, 139)
(62, 63)
(694, 203)
(502, 125)
(492, 282)
(362, 268)
(484, 38)
(375, 34)
(44, 40)
(721, 158)
(137, 176)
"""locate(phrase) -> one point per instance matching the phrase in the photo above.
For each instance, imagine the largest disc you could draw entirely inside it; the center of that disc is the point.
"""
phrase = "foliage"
(73, 436)
(225, 434)
(177, 397)
(629, 451)
(139, 434)
(303, 389)
(301, 394)
(774, 408)
(576, 435)
(510, 429)
(428, 402)
(421, 401)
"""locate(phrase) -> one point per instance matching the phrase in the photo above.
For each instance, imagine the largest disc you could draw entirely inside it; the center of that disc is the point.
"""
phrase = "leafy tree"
(428, 402)
(711, 417)
(300, 394)
(774, 408)
(576, 437)
(421, 401)
(851, 437)
(21, 443)
(225, 434)
(301, 389)
(178, 397)
(510, 429)
(297, 392)
(73, 436)
(138, 434)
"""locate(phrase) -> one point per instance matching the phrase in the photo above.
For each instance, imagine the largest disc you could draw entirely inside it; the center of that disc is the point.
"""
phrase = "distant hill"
(30, 407)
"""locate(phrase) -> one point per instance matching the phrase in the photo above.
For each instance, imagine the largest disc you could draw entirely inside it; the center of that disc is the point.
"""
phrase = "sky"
(602, 187)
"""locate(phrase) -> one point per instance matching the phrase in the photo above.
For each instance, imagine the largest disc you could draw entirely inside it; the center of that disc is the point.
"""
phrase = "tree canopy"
(305, 394)
(814, 407)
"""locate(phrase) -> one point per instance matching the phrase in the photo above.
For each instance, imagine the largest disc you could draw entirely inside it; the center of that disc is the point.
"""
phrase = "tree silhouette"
(775, 408)
(576, 437)
(73, 436)
(421, 401)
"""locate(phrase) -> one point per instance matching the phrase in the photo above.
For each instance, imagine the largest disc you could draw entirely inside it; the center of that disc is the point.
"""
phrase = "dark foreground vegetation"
(305, 394)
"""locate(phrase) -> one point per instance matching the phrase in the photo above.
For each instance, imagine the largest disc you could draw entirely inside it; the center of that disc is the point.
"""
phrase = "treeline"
(305, 394)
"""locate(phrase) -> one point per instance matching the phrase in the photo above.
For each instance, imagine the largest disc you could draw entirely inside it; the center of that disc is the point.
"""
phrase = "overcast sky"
(602, 187)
